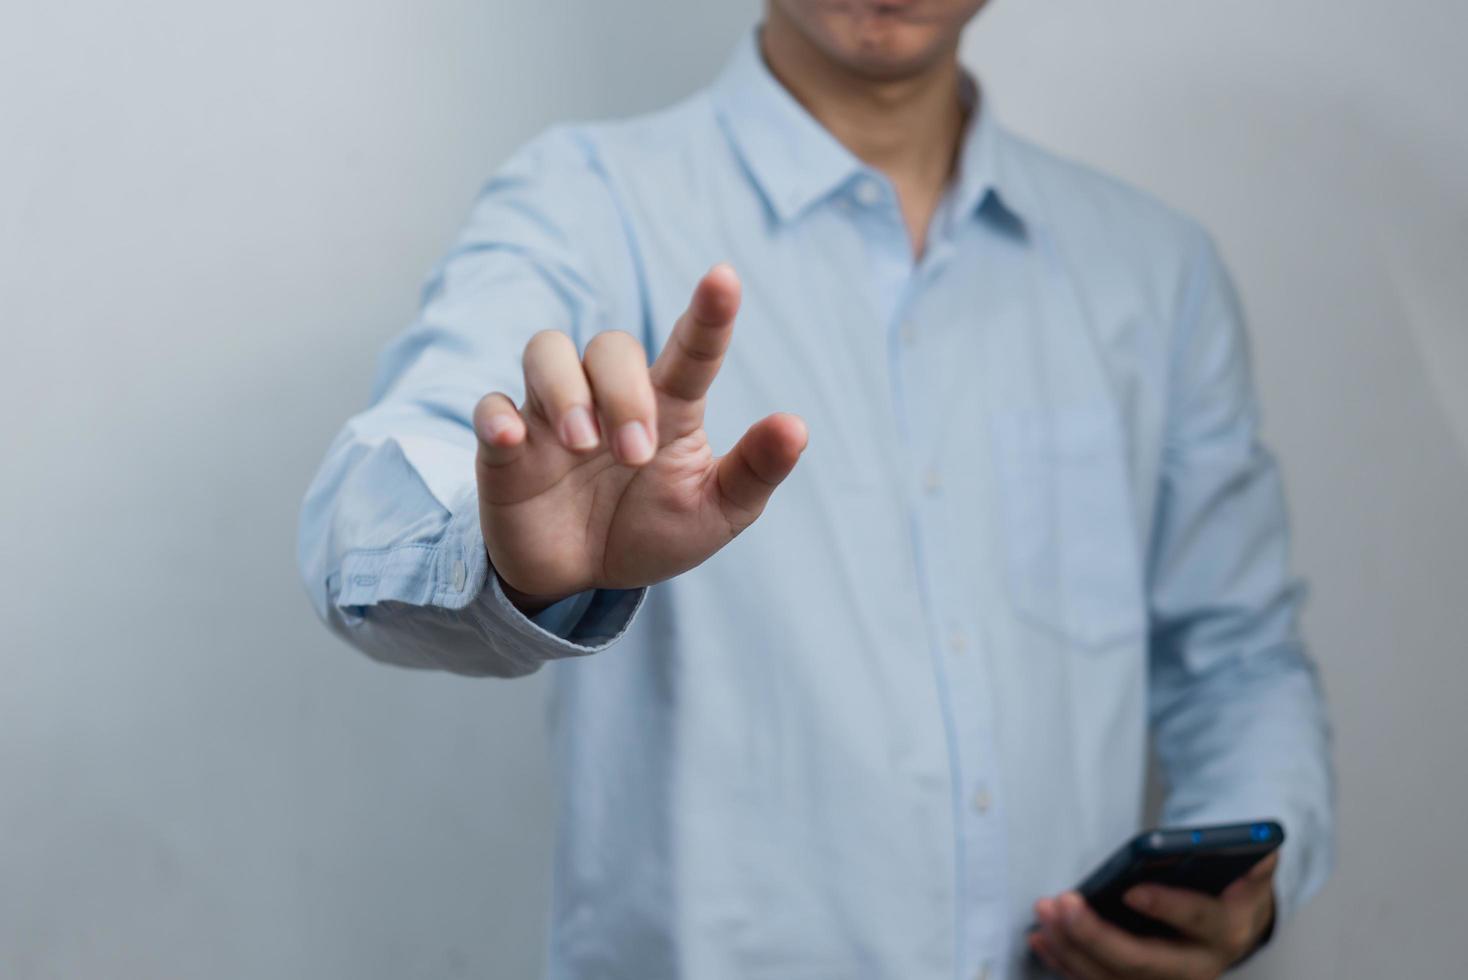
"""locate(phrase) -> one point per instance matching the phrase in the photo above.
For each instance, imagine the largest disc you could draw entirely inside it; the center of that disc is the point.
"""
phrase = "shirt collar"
(796, 162)
(985, 176)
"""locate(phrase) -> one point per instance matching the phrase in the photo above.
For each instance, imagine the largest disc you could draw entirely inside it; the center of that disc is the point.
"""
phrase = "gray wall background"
(212, 216)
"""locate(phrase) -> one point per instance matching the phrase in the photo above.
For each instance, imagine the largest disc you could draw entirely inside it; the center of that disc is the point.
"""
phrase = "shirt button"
(983, 973)
(868, 192)
(982, 801)
(932, 481)
(459, 576)
(957, 641)
(909, 334)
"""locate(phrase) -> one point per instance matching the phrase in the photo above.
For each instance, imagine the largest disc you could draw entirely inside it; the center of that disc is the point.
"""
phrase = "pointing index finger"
(690, 359)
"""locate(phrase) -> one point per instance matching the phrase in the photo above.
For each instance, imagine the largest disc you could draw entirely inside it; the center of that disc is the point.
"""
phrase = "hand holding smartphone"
(1205, 859)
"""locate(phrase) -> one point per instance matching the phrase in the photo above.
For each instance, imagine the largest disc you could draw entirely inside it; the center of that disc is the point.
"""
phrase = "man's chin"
(887, 52)
(880, 40)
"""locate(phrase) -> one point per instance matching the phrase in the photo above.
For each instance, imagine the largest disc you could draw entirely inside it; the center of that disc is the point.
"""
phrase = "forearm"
(1249, 739)
(405, 579)
(489, 637)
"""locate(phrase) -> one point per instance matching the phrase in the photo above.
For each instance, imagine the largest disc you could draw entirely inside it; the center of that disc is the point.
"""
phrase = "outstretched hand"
(604, 478)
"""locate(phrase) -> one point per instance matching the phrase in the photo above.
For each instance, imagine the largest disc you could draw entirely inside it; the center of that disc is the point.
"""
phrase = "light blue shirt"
(1034, 524)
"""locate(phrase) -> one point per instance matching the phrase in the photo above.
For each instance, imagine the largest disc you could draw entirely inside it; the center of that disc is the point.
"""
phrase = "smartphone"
(1204, 859)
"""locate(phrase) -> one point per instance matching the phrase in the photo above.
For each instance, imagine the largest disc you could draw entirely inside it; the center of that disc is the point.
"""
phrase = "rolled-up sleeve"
(1236, 707)
(390, 547)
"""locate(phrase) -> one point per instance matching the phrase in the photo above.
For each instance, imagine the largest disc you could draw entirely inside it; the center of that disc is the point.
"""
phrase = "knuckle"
(547, 342)
(494, 403)
(618, 408)
(490, 401)
(612, 342)
(700, 347)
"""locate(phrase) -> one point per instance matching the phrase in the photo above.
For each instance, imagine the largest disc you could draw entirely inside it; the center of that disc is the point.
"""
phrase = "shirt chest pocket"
(1068, 527)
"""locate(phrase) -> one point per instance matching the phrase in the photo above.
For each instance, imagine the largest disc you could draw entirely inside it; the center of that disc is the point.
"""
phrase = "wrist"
(528, 603)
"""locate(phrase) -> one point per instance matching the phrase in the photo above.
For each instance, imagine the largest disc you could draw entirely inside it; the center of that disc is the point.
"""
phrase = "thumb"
(751, 471)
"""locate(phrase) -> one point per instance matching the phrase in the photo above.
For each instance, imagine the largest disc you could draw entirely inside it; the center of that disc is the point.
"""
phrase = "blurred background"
(213, 216)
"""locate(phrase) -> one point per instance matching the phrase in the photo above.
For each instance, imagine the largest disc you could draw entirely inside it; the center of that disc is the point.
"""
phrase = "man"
(880, 733)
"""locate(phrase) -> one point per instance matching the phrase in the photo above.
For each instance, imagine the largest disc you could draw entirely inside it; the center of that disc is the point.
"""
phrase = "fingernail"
(578, 431)
(498, 425)
(1139, 899)
(633, 444)
(1070, 908)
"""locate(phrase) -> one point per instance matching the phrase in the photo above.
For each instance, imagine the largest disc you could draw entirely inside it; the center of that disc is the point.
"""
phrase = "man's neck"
(908, 128)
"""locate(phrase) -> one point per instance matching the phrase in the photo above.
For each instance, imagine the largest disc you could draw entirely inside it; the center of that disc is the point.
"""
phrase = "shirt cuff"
(582, 624)
(561, 617)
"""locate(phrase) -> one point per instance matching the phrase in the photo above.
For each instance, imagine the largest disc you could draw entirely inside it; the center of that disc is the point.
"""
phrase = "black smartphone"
(1204, 859)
